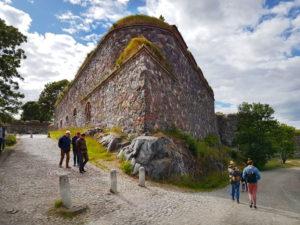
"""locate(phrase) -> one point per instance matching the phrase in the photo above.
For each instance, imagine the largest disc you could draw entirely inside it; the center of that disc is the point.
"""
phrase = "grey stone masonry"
(141, 95)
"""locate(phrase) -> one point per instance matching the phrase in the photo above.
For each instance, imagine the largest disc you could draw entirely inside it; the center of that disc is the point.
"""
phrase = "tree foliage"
(48, 98)
(284, 141)
(256, 127)
(10, 59)
(31, 111)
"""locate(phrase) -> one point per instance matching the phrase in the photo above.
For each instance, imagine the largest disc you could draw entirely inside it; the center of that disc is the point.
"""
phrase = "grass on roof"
(134, 45)
(140, 19)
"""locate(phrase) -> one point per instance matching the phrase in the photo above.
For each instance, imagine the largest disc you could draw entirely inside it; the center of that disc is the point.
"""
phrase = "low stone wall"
(27, 127)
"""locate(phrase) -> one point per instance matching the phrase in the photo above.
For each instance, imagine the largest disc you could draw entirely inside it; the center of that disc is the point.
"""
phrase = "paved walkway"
(29, 186)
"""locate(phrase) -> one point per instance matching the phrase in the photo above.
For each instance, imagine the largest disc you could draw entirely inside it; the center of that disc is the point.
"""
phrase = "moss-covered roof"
(140, 19)
(134, 45)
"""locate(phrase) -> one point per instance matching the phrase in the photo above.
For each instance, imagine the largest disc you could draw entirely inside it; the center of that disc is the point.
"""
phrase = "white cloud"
(50, 57)
(15, 17)
(241, 65)
(95, 13)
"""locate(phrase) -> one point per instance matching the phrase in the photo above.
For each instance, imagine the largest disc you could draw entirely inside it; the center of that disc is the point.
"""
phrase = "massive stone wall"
(141, 95)
(227, 126)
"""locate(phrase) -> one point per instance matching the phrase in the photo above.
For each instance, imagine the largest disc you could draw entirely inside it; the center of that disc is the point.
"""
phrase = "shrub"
(10, 140)
(212, 140)
(126, 167)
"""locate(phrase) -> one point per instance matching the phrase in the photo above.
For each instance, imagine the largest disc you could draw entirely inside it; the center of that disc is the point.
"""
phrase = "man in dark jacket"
(64, 143)
(75, 155)
(82, 152)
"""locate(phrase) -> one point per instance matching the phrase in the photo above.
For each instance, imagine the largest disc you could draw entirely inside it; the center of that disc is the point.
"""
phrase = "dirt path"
(29, 186)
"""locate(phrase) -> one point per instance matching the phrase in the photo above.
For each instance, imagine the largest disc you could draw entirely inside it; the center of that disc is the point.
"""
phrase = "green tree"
(48, 98)
(10, 59)
(31, 111)
(284, 141)
(255, 132)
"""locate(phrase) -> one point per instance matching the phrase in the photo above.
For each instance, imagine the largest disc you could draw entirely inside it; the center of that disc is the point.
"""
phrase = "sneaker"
(238, 201)
(251, 205)
(255, 207)
(60, 166)
(68, 167)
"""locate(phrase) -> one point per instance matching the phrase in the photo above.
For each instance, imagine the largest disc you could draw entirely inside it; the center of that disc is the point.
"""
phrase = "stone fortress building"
(145, 92)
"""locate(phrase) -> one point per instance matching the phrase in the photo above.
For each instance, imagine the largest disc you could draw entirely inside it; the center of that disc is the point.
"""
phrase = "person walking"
(64, 143)
(2, 138)
(75, 155)
(82, 152)
(235, 179)
(252, 176)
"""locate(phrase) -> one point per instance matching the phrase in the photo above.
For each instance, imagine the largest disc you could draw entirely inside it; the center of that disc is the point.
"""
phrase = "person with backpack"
(64, 143)
(235, 179)
(252, 176)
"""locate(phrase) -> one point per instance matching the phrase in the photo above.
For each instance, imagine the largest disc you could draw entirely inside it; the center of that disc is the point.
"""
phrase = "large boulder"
(111, 142)
(160, 157)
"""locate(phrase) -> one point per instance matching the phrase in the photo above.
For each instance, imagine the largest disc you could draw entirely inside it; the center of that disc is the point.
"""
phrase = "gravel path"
(29, 186)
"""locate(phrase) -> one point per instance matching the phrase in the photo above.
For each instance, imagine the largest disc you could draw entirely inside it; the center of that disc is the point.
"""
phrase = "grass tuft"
(140, 19)
(58, 203)
(134, 45)
(126, 167)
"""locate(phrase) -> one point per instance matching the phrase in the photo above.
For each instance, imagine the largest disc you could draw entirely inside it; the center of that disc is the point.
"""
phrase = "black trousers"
(83, 159)
(75, 155)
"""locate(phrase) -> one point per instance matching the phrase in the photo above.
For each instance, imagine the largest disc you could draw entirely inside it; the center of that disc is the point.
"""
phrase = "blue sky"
(248, 50)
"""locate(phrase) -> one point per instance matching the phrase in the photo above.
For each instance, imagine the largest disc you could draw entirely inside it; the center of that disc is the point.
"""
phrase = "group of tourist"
(80, 153)
(249, 178)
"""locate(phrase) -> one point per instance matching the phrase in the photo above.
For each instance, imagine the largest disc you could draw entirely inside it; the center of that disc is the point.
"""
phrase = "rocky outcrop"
(160, 157)
(111, 142)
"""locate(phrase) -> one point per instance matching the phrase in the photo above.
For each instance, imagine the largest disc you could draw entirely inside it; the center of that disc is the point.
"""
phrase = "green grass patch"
(96, 151)
(140, 19)
(134, 45)
(58, 203)
(126, 167)
(277, 164)
(10, 140)
(207, 183)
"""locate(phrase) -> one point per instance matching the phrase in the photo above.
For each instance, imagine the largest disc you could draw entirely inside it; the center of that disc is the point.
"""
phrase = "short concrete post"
(65, 193)
(31, 135)
(113, 181)
(49, 135)
(142, 176)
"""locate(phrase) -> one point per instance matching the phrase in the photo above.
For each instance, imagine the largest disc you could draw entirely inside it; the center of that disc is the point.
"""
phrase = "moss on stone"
(134, 45)
(140, 19)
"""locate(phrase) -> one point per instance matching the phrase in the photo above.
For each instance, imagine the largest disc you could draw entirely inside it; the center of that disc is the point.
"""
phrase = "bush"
(212, 140)
(10, 140)
(126, 167)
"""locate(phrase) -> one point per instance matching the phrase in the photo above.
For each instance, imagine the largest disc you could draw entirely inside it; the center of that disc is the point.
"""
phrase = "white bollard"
(113, 181)
(65, 193)
(31, 135)
(142, 176)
